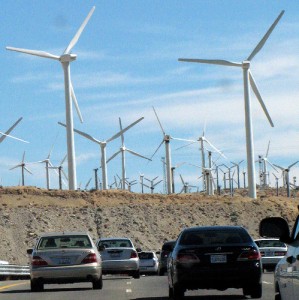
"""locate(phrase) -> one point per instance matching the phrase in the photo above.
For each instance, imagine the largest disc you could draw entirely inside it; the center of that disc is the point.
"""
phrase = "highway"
(122, 287)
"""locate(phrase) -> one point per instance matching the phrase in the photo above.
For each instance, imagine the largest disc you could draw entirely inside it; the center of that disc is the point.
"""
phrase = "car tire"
(177, 292)
(98, 284)
(256, 291)
(36, 286)
(277, 296)
(170, 292)
(136, 274)
(161, 272)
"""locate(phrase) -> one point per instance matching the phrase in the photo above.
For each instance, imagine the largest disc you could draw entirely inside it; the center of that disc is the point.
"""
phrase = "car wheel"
(170, 292)
(277, 297)
(161, 272)
(256, 291)
(177, 292)
(98, 284)
(136, 274)
(36, 286)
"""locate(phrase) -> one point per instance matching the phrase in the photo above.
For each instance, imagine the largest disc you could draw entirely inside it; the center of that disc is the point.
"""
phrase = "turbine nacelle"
(67, 57)
(246, 64)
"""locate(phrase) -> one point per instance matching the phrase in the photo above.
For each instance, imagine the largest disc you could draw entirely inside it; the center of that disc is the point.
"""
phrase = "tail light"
(134, 254)
(89, 259)
(251, 254)
(38, 261)
(185, 258)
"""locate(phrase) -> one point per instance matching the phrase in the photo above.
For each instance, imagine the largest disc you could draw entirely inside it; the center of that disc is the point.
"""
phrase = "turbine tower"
(123, 149)
(65, 59)
(23, 167)
(103, 145)
(247, 79)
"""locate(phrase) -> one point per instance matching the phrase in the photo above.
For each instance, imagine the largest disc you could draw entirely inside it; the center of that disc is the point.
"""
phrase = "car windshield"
(121, 243)
(64, 241)
(214, 237)
(270, 243)
(146, 255)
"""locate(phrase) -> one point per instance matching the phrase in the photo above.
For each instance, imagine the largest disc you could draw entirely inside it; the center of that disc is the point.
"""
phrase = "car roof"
(114, 238)
(216, 227)
(63, 233)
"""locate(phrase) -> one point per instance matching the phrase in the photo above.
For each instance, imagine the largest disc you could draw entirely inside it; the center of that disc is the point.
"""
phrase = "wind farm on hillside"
(187, 158)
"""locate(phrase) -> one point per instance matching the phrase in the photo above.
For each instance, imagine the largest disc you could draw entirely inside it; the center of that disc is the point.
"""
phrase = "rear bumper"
(217, 279)
(270, 261)
(66, 273)
(121, 266)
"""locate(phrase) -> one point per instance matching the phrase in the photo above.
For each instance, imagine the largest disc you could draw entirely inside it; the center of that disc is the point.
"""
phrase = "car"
(214, 257)
(165, 251)
(119, 256)
(148, 262)
(64, 257)
(272, 251)
(286, 275)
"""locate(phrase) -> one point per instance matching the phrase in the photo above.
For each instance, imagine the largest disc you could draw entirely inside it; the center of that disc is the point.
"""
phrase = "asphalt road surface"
(122, 287)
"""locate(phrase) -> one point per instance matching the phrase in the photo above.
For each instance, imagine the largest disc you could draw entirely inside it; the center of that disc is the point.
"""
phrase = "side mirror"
(275, 227)
(29, 251)
(158, 252)
(138, 250)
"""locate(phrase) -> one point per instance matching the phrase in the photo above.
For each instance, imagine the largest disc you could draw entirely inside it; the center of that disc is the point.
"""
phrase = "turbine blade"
(185, 145)
(86, 135)
(212, 62)
(157, 148)
(124, 130)
(279, 167)
(76, 103)
(15, 167)
(77, 35)
(159, 122)
(122, 136)
(265, 37)
(113, 156)
(137, 154)
(23, 158)
(182, 179)
(25, 168)
(271, 165)
(34, 52)
(268, 149)
(12, 137)
(214, 147)
(290, 166)
(10, 129)
(259, 98)
(184, 140)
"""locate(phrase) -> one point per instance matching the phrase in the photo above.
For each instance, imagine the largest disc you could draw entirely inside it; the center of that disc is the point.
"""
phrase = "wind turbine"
(23, 167)
(123, 149)
(103, 145)
(247, 79)
(153, 184)
(60, 172)
(65, 59)
(286, 175)
(7, 133)
(237, 165)
(186, 186)
(266, 161)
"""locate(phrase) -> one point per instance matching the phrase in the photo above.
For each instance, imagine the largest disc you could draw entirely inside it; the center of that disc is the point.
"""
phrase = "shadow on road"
(46, 291)
(210, 297)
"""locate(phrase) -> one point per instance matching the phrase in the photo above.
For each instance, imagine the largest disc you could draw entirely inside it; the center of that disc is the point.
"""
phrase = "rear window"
(146, 255)
(65, 241)
(214, 237)
(168, 246)
(121, 243)
(270, 243)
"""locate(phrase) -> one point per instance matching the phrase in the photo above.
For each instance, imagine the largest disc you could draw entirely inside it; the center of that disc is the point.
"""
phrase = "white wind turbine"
(266, 161)
(247, 78)
(123, 149)
(7, 133)
(65, 59)
(103, 145)
(186, 186)
(60, 172)
(286, 176)
(166, 139)
(23, 167)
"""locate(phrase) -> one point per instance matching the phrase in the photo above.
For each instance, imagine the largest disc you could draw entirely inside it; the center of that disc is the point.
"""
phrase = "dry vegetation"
(148, 219)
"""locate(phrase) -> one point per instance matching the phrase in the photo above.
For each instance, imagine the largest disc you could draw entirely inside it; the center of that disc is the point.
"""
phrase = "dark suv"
(166, 250)
(214, 257)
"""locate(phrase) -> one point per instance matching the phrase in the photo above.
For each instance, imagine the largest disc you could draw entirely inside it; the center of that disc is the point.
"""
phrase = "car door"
(295, 260)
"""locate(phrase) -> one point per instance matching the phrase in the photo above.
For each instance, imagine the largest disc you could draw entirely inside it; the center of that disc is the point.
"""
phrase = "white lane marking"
(129, 282)
(266, 282)
(128, 291)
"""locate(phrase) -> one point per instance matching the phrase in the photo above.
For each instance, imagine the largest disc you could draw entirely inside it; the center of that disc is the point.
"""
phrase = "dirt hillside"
(148, 219)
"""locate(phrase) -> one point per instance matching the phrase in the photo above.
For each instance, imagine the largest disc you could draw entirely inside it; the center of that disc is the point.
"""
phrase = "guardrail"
(14, 272)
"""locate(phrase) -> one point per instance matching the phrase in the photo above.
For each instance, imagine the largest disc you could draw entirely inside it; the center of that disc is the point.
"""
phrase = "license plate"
(269, 253)
(218, 259)
(64, 261)
(115, 254)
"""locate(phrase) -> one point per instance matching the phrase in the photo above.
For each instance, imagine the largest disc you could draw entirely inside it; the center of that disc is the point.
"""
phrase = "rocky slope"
(147, 219)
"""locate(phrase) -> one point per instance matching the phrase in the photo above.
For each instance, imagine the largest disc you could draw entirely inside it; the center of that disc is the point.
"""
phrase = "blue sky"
(128, 62)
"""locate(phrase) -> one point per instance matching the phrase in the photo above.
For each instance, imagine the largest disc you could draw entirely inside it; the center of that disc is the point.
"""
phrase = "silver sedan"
(64, 257)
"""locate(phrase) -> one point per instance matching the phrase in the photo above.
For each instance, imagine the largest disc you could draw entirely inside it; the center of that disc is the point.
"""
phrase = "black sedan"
(215, 257)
